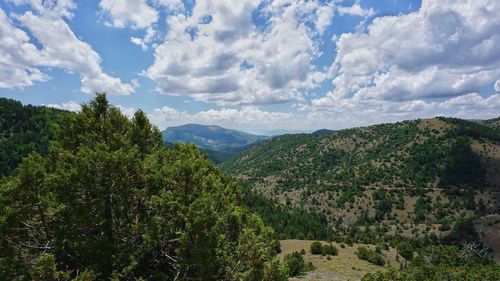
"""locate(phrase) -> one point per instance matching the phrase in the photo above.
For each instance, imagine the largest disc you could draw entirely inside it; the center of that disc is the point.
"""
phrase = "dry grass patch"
(345, 266)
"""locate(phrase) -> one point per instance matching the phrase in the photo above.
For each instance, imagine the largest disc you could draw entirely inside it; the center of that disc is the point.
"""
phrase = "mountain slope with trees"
(24, 129)
(415, 178)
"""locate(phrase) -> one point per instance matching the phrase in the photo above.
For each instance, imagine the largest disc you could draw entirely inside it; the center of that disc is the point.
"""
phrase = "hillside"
(211, 137)
(414, 178)
(492, 123)
(24, 129)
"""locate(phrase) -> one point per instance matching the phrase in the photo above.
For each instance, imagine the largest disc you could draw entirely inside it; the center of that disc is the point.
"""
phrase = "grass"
(345, 266)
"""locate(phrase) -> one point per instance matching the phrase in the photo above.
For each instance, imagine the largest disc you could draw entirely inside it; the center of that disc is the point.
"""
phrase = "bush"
(329, 250)
(316, 248)
(295, 263)
(370, 256)
(405, 249)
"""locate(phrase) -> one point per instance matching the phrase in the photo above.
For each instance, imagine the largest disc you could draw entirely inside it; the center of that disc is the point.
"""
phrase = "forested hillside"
(415, 178)
(24, 129)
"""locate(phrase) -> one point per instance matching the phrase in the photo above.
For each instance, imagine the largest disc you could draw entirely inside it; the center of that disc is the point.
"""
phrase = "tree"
(405, 249)
(295, 263)
(109, 201)
(316, 248)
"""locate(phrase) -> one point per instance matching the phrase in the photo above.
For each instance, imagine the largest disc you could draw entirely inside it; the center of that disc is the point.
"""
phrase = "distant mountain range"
(220, 143)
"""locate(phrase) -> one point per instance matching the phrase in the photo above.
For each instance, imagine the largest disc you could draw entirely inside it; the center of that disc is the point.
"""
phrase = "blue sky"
(257, 65)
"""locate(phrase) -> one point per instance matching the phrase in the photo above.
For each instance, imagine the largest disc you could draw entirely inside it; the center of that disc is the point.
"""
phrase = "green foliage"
(24, 129)
(44, 269)
(289, 223)
(442, 263)
(329, 250)
(463, 231)
(316, 248)
(370, 256)
(110, 202)
(295, 263)
(336, 170)
(390, 275)
(405, 249)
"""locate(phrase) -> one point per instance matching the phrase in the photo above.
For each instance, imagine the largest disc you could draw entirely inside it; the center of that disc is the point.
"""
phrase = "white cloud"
(447, 48)
(217, 54)
(137, 13)
(497, 86)
(69, 105)
(248, 118)
(356, 10)
(473, 101)
(60, 48)
(17, 57)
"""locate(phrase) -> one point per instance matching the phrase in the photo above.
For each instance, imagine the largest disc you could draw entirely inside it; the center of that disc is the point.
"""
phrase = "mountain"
(23, 129)
(323, 132)
(412, 178)
(211, 137)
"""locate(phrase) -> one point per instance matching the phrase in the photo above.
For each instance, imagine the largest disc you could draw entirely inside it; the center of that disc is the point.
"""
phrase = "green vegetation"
(24, 129)
(443, 263)
(316, 248)
(289, 223)
(370, 256)
(319, 249)
(295, 264)
(388, 179)
(110, 202)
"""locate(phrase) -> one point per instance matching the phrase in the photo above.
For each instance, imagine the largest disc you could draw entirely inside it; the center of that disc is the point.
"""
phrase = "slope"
(412, 178)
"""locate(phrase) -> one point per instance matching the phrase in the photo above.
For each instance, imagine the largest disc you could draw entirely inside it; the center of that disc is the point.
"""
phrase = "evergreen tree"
(109, 201)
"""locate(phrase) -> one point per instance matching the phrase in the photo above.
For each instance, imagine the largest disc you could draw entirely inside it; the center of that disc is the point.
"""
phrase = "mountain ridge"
(212, 137)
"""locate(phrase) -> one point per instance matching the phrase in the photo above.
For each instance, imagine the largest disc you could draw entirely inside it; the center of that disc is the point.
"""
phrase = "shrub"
(295, 263)
(405, 250)
(370, 256)
(329, 250)
(316, 248)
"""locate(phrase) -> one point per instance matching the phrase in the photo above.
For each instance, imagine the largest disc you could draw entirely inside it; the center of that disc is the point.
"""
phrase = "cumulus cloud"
(17, 57)
(60, 48)
(248, 118)
(69, 105)
(217, 54)
(137, 14)
(445, 49)
(356, 10)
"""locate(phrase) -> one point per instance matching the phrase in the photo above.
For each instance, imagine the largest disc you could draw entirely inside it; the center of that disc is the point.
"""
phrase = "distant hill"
(410, 177)
(492, 123)
(211, 137)
(323, 132)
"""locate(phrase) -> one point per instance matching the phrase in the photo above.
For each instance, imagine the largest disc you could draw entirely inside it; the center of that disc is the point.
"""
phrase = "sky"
(257, 66)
